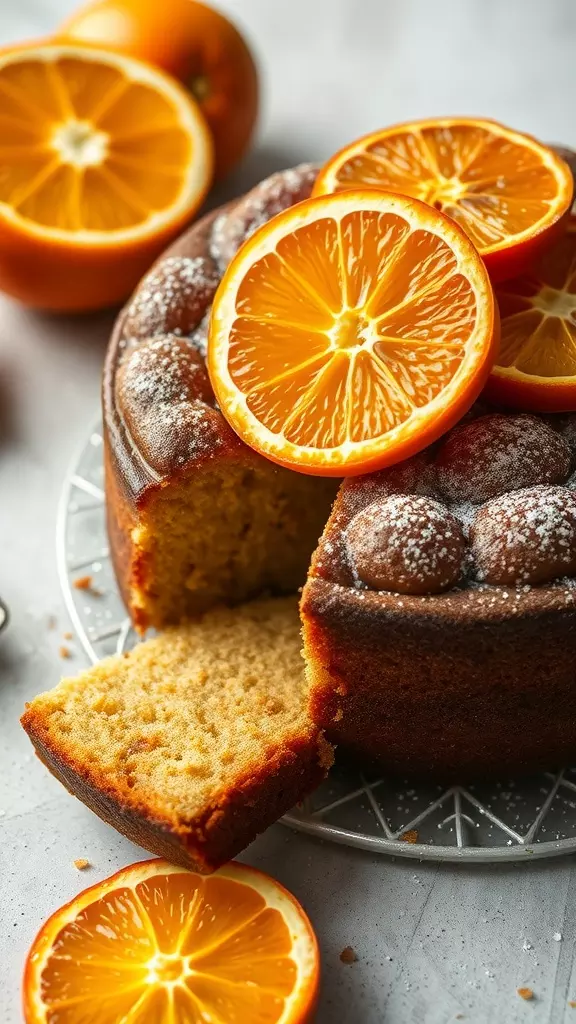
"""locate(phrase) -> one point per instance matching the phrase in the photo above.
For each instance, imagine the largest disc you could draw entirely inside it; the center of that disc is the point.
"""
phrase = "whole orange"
(195, 44)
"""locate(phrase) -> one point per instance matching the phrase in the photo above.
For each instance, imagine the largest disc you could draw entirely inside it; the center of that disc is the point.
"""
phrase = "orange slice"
(506, 190)
(350, 331)
(156, 944)
(536, 367)
(103, 160)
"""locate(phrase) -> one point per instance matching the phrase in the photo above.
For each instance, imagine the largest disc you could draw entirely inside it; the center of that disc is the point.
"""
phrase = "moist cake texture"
(195, 741)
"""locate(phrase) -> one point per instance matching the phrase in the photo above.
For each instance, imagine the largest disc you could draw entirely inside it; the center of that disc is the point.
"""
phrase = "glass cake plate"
(489, 821)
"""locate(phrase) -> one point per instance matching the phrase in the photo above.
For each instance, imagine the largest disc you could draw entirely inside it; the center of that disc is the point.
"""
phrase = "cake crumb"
(572, 1003)
(83, 583)
(525, 993)
(68, 635)
(81, 863)
(411, 836)
(557, 936)
(86, 583)
(348, 956)
(64, 651)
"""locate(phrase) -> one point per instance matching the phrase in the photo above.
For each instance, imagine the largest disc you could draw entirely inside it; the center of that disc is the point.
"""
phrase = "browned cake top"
(488, 512)
(490, 507)
(158, 401)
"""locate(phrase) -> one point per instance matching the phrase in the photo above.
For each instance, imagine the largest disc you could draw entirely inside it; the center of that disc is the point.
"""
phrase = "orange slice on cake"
(103, 160)
(156, 944)
(351, 331)
(536, 367)
(506, 190)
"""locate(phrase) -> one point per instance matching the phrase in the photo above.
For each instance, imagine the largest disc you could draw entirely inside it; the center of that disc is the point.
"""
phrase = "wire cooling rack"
(492, 821)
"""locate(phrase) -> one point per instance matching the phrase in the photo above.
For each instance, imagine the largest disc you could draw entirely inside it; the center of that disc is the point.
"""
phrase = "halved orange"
(536, 367)
(155, 944)
(505, 189)
(350, 331)
(103, 159)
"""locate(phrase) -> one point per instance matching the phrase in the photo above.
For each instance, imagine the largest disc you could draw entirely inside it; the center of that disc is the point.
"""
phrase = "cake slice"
(195, 741)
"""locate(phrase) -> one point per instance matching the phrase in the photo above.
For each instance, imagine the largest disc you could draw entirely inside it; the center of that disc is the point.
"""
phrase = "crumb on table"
(572, 1003)
(86, 583)
(81, 863)
(525, 993)
(83, 583)
(51, 622)
(64, 651)
(411, 836)
(348, 956)
(68, 635)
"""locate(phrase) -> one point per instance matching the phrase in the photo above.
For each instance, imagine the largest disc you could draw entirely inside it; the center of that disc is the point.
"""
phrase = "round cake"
(439, 614)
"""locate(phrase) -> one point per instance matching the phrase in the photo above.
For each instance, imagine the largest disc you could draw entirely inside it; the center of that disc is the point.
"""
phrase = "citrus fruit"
(506, 190)
(195, 44)
(350, 331)
(103, 160)
(155, 944)
(536, 366)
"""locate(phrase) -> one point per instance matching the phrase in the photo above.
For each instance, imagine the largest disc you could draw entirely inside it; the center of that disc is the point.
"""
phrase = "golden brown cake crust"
(230, 824)
(479, 679)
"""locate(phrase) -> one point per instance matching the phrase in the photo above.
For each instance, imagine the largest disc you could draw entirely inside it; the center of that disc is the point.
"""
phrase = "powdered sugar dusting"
(199, 338)
(512, 541)
(162, 386)
(173, 297)
(528, 536)
(165, 370)
(497, 453)
(166, 400)
(406, 544)
(271, 197)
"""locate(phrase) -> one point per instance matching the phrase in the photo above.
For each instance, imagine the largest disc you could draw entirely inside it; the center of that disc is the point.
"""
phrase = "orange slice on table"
(536, 367)
(351, 331)
(505, 189)
(103, 160)
(156, 944)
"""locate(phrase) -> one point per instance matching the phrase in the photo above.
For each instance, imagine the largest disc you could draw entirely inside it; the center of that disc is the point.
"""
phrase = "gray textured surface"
(433, 941)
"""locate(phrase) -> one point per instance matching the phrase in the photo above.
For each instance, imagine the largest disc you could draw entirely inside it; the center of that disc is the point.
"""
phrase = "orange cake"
(454, 655)
(196, 740)
(439, 616)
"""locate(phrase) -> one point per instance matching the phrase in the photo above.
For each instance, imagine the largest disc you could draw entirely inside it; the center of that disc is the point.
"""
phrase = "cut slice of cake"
(195, 741)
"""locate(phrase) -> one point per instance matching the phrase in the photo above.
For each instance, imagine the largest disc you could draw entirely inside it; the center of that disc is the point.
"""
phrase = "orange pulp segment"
(505, 189)
(350, 331)
(536, 367)
(156, 944)
(100, 156)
